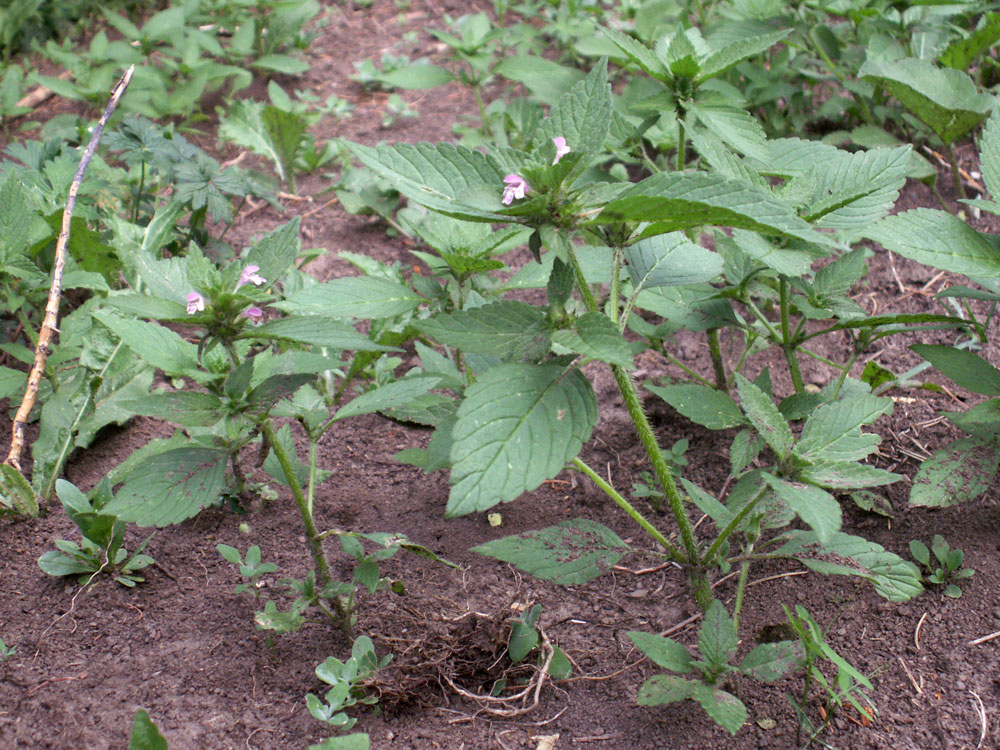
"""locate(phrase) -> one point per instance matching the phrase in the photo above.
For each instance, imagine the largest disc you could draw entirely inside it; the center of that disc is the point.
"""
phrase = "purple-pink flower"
(514, 187)
(195, 303)
(561, 149)
(255, 314)
(250, 276)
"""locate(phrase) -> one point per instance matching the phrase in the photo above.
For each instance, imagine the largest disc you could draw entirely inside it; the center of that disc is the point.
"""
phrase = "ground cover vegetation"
(724, 172)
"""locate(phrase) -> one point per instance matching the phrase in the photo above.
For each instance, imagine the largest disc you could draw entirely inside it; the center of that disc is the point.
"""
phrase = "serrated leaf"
(275, 388)
(273, 467)
(895, 579)
(16, 493)
(736, 127)
(664, 652)
(595, 336)
(398, 393)
(743, 451)
(546, 79)
(833, 431)
(638, 53)
(847, 475)
(509, 330)
(582, 116)
(159, 346)
(989, 153)
(853, 191)
(669, 260)
(706, 406)
(968, 370)
(145, 735)
(316, 330)
(681, 200)
(451, 179)
(717, 639)
(276, 251)
(765, 417)
(663, 689)
(725, 709)
(959, 472)
(817, 508)
(187, 408)
(569, 553)
(772, 661)
(364, 297)
(936, 238)
(706, 503)
(723, 59)
(789, 261)
(981, 421)
(170, 487)
(946, 100)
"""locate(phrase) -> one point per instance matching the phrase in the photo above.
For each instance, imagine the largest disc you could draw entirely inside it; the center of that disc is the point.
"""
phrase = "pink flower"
(561, 149)
(515, 187)
(195, 303)
(255, 314)
(250, 276)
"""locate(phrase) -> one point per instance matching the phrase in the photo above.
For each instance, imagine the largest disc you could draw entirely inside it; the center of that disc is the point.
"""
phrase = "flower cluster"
(196, 302)
(516, 187)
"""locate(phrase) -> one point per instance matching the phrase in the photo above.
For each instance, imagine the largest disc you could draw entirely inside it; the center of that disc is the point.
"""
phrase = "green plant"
(350, 683)
(948, 568)
(101, 549)
(396, 106)
(251, 568)
(145, 734)
(717, 644)
(6, 651)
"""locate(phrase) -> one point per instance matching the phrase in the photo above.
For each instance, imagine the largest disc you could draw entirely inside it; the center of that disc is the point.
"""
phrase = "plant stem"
(681, 136)
(740, 588)
(715, 350)
(672, 550)
(787, 343)
(674, 361)
(730, 527)
(959, 187)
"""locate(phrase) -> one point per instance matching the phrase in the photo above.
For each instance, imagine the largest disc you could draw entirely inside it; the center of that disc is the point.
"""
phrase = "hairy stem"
(715, 350)
(787, 343)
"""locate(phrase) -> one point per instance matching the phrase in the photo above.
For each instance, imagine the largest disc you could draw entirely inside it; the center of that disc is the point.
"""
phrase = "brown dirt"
(183, 646)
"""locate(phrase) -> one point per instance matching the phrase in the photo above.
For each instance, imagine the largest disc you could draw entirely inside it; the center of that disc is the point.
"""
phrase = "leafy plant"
(145, 734)
(717, 644)
(251, 568)
(947, 569)
(350, 682)
(101, 549)
(6, 651)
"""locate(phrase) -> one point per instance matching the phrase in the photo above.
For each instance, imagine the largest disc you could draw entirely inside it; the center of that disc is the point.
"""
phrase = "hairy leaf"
(670, 260)
(353, 297)
(968, 370)
(819, 509)
(508, 329)
(936, 238)
(765, 417)
(664, 652)
(706, 406)
(596, 336)
(959, 472)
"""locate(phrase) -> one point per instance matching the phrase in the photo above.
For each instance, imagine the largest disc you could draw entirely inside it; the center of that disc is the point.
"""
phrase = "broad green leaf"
(268, 132)
(145, 735)
(275, 388)
(963, 52)
(895, 579)
(772, 661)
(353, 297)
(959, 472)
(273, 466)
(280, 622)
(662, 689)
(16, 493)
(276, 251)
(989, 153)
(508, 329)
(316, 330)
(517, 426)
(981, 421)
(789, 261)
(417, 76)
(847, 475)
(582, 116)
(664, 652)
(289, 66)
(188, 408)
(544, 78)
(523, 638)
(722, 60)
(744, 450)
(717, 639)
(569, 553)
(20, 224)
(833, 431)
(670, 260)
(968, 370)
(560, 668)
(681, 200)
(853, 191)
(453, 180)
(170, 487)
(736, 127)
(638, 53)
(706, 406)
(594, 335)
(819, 509)
(946, 100)
(391, 395)
(873, 503)
(146, 306)
(936, 238)
(55, 563)
(693, 308)
(356, 741)
(707, 504)
(725, 709)
(765, 417)
(159, 346)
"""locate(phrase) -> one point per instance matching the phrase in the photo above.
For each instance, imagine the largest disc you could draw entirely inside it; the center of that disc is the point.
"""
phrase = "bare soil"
(184, 646)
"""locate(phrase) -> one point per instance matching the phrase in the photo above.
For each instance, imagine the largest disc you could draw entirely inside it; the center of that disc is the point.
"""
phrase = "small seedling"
(948, 568)
(349, 683)
(251, 568)
(6, 651)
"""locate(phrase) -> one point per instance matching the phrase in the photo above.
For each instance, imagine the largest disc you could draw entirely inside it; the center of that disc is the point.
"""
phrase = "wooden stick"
(55, 290)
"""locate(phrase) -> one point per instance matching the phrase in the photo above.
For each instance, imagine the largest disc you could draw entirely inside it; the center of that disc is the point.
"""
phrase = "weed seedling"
(946, 568)
(251, 568)
(349, 683)
(6, 651)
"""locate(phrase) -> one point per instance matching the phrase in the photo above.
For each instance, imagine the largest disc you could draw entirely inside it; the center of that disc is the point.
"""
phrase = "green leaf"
(560, 668)
(146, 306)
(964, 51)
(944, 99)
(523, 638)
(582, 116)
(170, 487)
(855, 190)
(833, 431)
(145, 735)
(670, 260)
(681, 200)
(594, 335)
(772, 661)
(569, 553)
(517, 426)
(664, 652)
(820, 510)
(159, 346)
(725, 709)
(722, 60)
(736, 127)
(453, 180)
(743, 451)
(273, 466)
(276, 251)
(417, 76)
(959, 472)
(765, 417)
(289, 66)
(707, 504)
(717, 638)
(989, 153)
(544, 78)
(664, 689)
(706, 406)
(789, 261)
(275, 388)
(365, 297)
(981, 421)
(316, 330)
(398, 393)
(280, 622)
(509, 330)
(895, 579)
(16, 493)
(356, 741)
(187, 408)
(847, 475)
(968, 370)
(267, 131)
(638, 53)
(58, 564)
